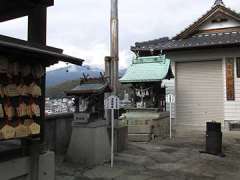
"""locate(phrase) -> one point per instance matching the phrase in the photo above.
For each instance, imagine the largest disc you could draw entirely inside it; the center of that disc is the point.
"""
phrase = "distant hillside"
(58, 90)
(72, 72)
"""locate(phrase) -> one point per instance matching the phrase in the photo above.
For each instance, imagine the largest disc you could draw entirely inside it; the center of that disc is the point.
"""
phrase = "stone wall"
(58, 130)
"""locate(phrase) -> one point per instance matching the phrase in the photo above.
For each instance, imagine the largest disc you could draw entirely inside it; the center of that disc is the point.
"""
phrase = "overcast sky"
(81, 27)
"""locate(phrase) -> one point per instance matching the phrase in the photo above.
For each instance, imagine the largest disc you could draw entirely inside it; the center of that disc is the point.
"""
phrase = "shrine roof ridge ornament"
(219, 2)
(150, 59)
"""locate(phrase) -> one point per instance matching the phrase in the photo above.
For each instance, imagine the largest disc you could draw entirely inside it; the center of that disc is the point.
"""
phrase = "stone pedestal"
(121, 138)
(144, 124)
(90, 144)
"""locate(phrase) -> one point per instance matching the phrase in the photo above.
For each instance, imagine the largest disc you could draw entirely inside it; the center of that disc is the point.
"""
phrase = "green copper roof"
(148, 69)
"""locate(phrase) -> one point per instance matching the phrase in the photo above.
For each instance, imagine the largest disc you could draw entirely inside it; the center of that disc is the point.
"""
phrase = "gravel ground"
(164, 159)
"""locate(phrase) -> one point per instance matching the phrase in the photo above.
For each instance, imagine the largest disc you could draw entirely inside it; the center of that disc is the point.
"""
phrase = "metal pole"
(114, 46)
(170, 120)
(112, 144)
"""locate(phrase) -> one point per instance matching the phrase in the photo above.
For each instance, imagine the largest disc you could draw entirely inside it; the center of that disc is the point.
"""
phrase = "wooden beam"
(15, 9)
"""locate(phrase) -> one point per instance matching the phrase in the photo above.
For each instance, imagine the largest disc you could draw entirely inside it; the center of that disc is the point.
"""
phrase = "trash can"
(214, 138)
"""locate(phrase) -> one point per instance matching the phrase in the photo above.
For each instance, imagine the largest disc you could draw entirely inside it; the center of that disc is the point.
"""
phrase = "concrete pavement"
(164, 159)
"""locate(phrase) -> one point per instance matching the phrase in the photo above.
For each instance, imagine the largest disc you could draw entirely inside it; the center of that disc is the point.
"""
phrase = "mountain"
(58, 90)
(72, 72)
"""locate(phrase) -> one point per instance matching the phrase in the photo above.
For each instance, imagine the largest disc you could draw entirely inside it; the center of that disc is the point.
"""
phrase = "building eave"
(44, 54)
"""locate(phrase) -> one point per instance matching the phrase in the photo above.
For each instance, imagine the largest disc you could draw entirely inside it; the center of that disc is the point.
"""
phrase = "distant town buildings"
(58, 106)
(66, 105)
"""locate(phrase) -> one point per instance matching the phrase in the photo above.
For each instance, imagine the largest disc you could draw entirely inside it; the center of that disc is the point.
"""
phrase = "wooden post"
(37, 25)
(37, 29)
(34, 160)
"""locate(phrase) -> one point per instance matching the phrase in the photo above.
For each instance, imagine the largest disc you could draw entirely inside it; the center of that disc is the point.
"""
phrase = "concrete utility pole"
(114, 46)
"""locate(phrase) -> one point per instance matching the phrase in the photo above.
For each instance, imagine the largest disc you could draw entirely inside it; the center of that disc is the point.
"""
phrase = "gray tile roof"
(196, 41)
(159, 42)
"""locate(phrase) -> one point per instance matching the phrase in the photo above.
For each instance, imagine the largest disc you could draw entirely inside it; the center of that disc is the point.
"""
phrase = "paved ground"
(177, 159)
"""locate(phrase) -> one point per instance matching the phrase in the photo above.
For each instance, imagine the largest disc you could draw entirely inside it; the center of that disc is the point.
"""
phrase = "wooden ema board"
(21, 131)
(20, 99)
(8, 132)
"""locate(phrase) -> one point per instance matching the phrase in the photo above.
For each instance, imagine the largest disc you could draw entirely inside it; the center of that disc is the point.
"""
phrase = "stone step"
(140, 129)
(139, 137)
(131, 159)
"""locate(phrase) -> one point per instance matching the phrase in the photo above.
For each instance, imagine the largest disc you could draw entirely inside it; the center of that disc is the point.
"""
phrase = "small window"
(238, 67)
(230, 79)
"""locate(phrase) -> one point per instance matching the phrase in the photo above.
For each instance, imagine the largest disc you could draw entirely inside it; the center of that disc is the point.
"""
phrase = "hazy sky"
(81, 27)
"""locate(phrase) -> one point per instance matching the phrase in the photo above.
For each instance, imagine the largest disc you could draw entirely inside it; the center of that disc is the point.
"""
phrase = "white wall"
(231, 108)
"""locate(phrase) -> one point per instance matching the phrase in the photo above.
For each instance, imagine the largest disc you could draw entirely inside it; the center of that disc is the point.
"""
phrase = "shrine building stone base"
(90, 144)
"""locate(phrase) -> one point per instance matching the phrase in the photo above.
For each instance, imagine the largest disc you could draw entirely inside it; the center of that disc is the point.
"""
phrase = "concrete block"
(47, 166)
(17, 168)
